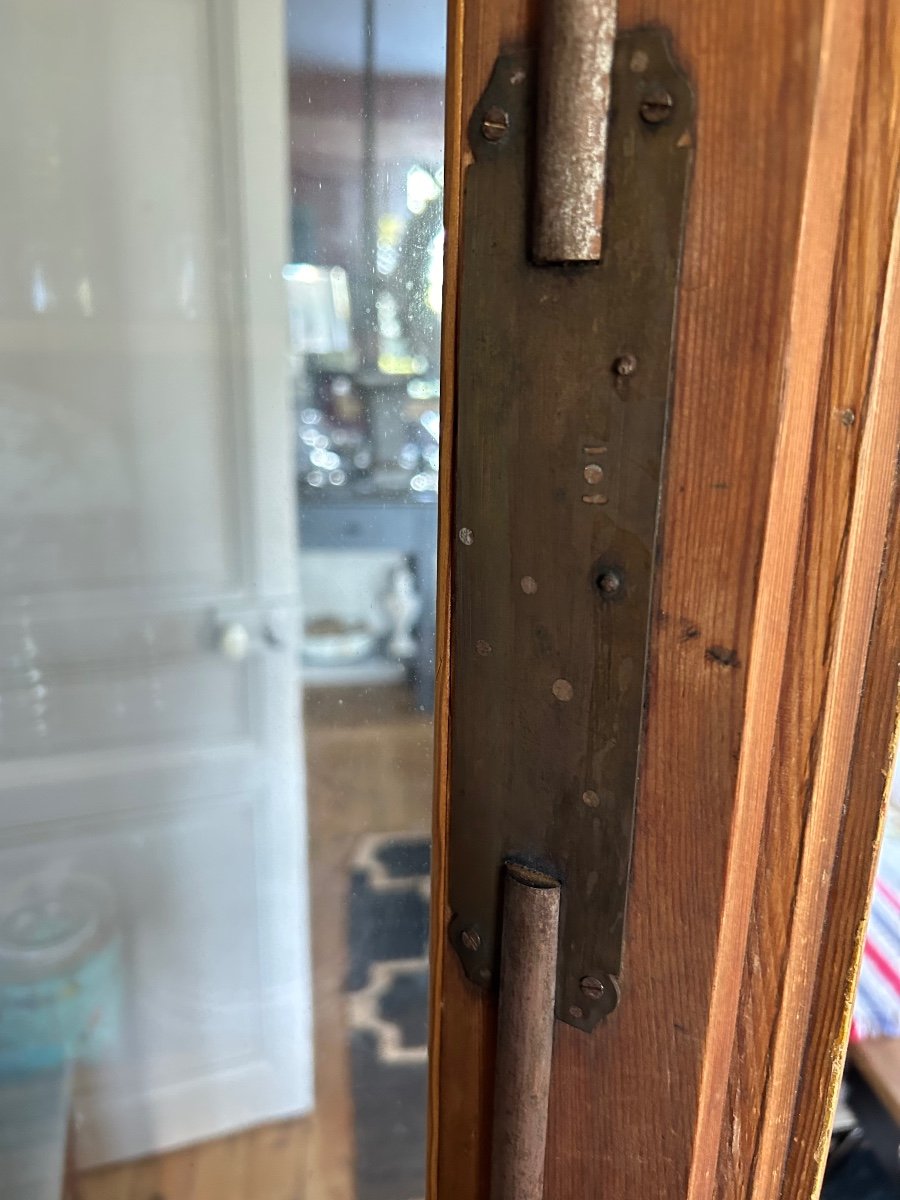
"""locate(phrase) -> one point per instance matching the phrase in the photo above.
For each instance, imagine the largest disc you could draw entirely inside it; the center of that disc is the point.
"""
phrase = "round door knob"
(234, 641)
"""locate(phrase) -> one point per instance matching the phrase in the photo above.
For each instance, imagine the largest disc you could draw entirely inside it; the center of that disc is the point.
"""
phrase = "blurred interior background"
(219, 345)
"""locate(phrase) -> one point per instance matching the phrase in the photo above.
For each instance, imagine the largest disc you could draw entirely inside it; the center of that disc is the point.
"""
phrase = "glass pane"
(220, 229)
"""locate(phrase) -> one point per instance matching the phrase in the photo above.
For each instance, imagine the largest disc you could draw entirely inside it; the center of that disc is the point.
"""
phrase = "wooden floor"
(369, 771)
(878, 1060)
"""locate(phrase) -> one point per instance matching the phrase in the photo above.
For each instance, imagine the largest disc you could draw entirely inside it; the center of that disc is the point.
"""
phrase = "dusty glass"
(220, 230)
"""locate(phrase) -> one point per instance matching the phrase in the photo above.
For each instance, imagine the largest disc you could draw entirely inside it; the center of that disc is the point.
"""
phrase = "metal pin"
(530, 934)
(577, 42)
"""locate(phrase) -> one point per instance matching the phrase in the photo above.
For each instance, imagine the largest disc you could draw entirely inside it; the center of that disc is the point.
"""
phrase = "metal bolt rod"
(528, 953)
(577, 40)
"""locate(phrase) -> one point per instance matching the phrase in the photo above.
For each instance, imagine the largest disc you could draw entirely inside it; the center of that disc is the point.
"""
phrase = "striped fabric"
(877, 1009)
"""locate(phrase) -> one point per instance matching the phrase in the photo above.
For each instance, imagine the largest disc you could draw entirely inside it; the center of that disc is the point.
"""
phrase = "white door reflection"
(219, 331)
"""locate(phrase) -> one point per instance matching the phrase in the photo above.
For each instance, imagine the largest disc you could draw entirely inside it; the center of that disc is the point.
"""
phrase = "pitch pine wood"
(634, 1110)
(855, 601)
(851, 888)
(808, 319)
(803, 817)
(607, 1110)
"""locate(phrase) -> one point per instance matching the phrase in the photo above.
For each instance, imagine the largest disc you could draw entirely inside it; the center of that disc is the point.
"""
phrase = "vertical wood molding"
(461, 1021)
(755, 1089)
(856, 603)
(823, 194)
(852, 877)
(453, 135)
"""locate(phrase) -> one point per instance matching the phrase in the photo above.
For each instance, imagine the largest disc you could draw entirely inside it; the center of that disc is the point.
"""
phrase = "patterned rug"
(387, 985)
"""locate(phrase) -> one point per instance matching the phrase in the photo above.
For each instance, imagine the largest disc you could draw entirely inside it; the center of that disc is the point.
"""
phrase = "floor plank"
(878, 1060)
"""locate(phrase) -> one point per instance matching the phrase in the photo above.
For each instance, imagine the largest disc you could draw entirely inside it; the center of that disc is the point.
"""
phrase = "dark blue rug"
(859, 1176)
(387, 985)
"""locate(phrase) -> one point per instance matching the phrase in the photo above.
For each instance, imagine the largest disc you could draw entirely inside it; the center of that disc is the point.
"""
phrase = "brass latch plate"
(563, 387)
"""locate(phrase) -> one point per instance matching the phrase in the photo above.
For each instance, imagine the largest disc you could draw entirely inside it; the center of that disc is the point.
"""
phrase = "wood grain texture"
(804, 811)
(854, 608)
(808, 322)
(462, 1020)
(740, 244)
(852, 879)
(860, 814)
(750, 376)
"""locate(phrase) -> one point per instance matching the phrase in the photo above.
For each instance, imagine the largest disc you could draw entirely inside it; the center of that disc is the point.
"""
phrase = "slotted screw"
(495, 124)
(656, 106)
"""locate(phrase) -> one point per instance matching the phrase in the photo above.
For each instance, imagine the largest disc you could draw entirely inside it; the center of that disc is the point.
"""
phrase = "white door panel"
(146, 510)
(211, 966)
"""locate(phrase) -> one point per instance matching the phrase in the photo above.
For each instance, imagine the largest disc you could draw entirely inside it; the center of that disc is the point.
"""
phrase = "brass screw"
(471, 940)
(656, 106)
(495, 124)
(625, 365)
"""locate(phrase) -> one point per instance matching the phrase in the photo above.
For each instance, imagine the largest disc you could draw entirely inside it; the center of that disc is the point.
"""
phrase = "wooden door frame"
(776, 632)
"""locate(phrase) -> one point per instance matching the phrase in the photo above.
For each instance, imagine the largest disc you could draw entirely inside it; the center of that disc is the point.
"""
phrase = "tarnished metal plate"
(563, 386)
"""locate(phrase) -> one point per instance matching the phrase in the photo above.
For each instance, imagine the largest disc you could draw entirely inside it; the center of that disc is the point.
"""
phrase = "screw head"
(593, 988)
(625, 365)
(471, 940)
(576, 1013)
(495, 124)
(656, 106)
(609, 582)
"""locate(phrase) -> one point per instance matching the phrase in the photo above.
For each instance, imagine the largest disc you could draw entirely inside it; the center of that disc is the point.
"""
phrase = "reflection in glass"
(365, 321)
(219, 329)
